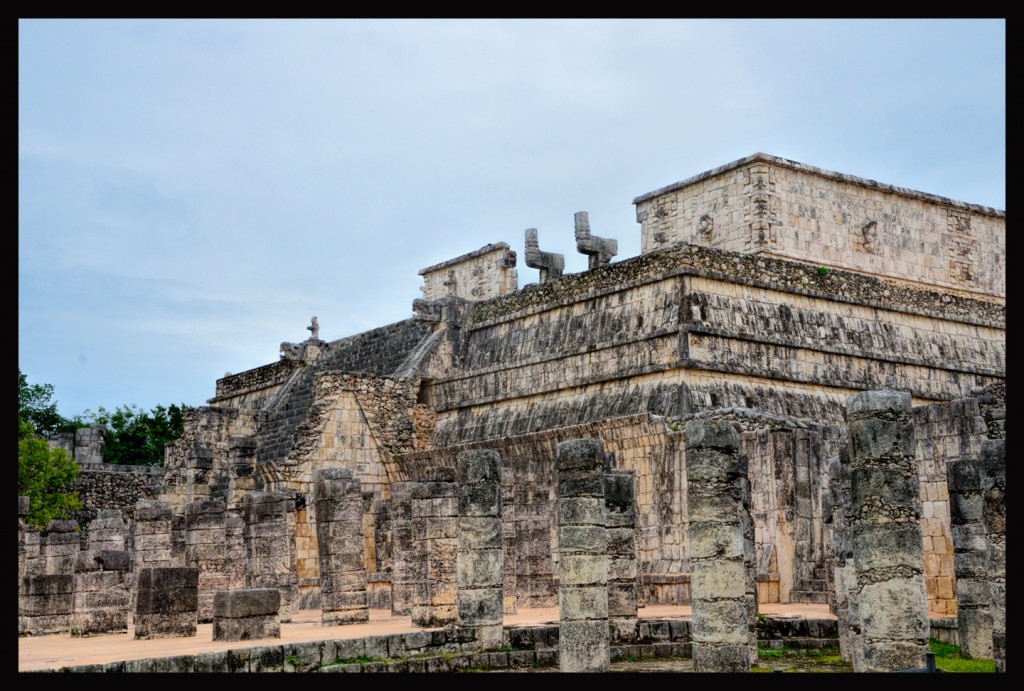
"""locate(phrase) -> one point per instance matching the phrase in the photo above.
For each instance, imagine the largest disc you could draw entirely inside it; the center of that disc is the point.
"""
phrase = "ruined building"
(766, 294)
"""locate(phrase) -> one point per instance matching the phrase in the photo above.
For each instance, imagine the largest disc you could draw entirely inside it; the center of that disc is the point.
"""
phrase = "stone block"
(480, 567)
(580, 511)
(582, 602)
(582, 539)
(894, 609)
(246, 628)
(479, 607)
(583, 646)
(875, 438)
(720, 622)
(715, 579)
(583, 569)
(896, 545)
(873, 403)
(480, 533)
(246, 603)
(581, 455)
(710, 434)
(729, 657)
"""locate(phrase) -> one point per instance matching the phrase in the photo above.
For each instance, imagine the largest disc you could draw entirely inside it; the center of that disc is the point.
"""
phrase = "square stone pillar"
(207, 548)
(107, 531)
(583, 633)
(970, 558)
(719, 555)
(480, 566)
(403, 554)
(620, 514)
(60, 545)
(885, 528)
(993, 485)
(45, 604)
(101, 593)
(340, 542)
(270, 545)
(435, 510)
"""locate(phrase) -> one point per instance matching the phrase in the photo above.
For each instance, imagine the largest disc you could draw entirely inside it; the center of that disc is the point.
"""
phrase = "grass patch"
(948, 659)
(797, 658)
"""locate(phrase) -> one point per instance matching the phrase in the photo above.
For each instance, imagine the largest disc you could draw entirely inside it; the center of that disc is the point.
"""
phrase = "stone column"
(509, 541)
(339, 533)
(101, 598)
(749, 559)
(885, 530)
(270, 545)
(583, 633)
(61, 543)
(970, 558)
(206, 548)
(993, 485)
(480, 562)
(107, 531)
(242, 462)
(842, 600)
(167, 602)
(89, 444)
(620, 514)
(715, 471)
(151, 534)
(435, 510)
(402, 549)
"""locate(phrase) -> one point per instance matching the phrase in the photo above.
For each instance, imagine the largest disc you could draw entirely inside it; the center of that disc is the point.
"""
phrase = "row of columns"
(448, 556)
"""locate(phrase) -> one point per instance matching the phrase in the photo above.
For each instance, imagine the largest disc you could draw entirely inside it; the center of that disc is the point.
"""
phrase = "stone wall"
(377, 351)
(107, 486)
(944, 432)
(479, 275)
(201, 464)
(372, 353)
(771, 205)
(250, 389)
(737, 330)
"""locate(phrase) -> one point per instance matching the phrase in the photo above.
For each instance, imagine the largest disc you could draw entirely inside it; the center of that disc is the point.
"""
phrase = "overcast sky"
(192, 192)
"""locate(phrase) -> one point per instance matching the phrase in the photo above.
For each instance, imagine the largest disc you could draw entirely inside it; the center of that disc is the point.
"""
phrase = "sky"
(192, 192)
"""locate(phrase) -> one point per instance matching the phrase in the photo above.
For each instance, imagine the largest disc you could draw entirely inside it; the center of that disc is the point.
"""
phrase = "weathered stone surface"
(246, 628)
(583, 645)
(583, 561)
(250, 602)
(885, 533)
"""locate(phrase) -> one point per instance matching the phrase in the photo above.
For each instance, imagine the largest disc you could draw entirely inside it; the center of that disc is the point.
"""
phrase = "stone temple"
(767, 293)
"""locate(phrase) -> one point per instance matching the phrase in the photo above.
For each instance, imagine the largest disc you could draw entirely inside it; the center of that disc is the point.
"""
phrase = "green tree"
(135, 437)
(46, 476)
(36, 407)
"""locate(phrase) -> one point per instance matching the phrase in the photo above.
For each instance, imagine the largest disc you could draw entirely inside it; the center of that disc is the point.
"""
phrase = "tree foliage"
(36, 408)
(135, 437)
(46, 476)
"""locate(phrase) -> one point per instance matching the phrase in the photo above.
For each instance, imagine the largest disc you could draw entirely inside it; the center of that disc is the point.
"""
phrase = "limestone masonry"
(769, 296)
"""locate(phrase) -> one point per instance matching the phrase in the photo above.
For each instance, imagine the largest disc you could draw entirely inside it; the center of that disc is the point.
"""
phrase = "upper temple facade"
(767, 292)
(790, 210)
